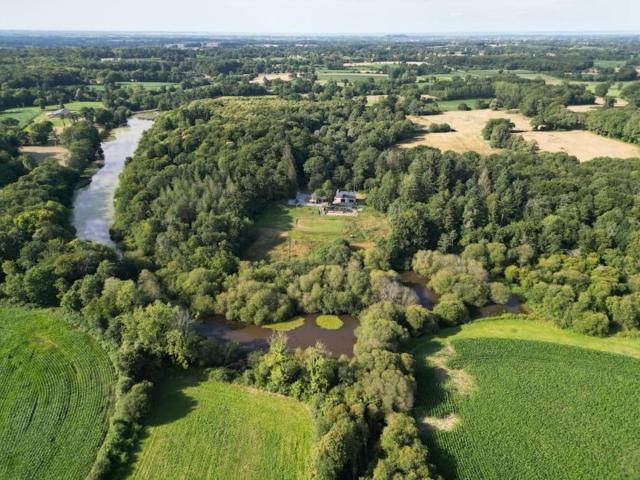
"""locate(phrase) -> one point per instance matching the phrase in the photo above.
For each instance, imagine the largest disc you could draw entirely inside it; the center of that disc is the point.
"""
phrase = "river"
(93, 207)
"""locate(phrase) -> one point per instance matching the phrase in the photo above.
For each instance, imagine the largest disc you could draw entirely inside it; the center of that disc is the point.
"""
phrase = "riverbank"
(93, 209)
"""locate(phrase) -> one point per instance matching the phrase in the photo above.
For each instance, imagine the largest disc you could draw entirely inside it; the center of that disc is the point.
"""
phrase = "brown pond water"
(338, 342)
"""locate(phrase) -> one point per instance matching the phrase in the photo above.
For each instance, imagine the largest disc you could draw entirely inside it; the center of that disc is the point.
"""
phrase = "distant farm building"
(63, 112)
(346, 199)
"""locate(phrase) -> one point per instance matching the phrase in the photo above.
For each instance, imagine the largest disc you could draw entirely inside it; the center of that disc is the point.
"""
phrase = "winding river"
(93, 207)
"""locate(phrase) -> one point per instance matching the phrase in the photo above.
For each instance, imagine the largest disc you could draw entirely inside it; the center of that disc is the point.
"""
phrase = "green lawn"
(23, 115)
(338, 76)
(608, 63)
(55, 396)
(284, 231)
(517, 398)
(450, 105)
(73, 106)
(208, 430)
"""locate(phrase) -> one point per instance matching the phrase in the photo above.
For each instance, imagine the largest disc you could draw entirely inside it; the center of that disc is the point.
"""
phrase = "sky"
(323, 16)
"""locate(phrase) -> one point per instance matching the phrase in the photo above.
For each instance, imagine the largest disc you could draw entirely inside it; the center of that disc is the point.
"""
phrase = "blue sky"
(323, 16)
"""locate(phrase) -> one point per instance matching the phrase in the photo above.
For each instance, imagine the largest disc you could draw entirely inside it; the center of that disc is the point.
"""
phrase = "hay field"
(263, 77)
(468, 127)
(42, 153)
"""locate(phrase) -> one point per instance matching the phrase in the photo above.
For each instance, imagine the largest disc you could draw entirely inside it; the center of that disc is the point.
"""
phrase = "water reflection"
(93, 205)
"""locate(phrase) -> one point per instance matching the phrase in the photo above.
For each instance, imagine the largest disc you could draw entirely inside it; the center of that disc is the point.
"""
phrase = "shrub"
(592, 323)
(500, 293)
(420, 320)
(451, 310)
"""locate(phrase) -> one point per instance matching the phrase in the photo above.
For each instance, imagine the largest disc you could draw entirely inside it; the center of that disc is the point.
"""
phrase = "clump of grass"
(329, 322)
(287, 325)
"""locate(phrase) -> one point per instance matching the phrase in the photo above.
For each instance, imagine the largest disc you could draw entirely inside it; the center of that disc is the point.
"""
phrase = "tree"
(451, 310)
(39, 132)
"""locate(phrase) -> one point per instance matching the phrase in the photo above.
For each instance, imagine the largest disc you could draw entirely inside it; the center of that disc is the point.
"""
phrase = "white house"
(63, 112)
(347, 199)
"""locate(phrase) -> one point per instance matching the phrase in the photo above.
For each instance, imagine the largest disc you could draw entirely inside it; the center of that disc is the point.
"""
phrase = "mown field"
(209, 430)
(467, 126)
(509, 406)
(55, 396)
(284, 231)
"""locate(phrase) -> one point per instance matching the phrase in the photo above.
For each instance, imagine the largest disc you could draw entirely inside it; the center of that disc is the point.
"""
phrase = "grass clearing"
(467, 126)
(50, 152)
(210, 430)
(537, 406)
(284, 231)
(452, 105)
(23, 115)
(56, 392)
(329, 322)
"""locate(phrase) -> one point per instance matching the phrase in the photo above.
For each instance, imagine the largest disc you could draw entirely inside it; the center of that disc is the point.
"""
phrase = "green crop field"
(514, 407)
(55, 396)
(284, 231)
(210, 430)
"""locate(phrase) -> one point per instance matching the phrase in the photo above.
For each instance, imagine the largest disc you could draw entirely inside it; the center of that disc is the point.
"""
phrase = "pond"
(338, 342)
(93, 208)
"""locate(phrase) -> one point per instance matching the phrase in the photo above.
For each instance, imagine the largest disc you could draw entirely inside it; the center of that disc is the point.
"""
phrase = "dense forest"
(562, 236)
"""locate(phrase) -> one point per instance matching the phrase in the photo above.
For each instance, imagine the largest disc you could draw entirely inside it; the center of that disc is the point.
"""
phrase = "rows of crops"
(536, 410)
(205, 429)
(55, 397)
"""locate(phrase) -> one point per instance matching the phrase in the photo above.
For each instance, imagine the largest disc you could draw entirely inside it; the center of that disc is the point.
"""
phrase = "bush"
(439, 128)
(592, 323)
(500, 293)
(451, 310)
(421, 320)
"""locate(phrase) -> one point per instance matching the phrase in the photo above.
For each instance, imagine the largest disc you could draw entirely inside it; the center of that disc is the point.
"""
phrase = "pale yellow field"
(272, 76)
(468, 127)
(55, 152)
(584, 145)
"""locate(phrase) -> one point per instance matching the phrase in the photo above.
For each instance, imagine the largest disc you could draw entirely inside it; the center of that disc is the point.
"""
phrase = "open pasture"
(284, 231)
(210, 430)
(527, 405)
(55, 396)
(468, 127)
